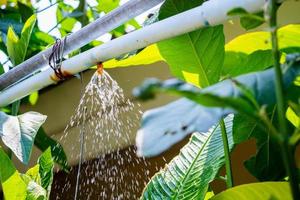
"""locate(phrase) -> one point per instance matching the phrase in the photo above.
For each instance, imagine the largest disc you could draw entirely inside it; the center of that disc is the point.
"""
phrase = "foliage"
(35, 184)
(257, 191)
(244, 54)
(43, 142)
(10, 178)
(203, 49)
(262, 164)
(16, 47)
(248, 20)
(186, 176)
(147, 56)
(18, 132)
(224, 94)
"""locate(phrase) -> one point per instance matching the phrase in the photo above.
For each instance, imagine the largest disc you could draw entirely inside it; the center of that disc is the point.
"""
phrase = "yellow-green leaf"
(147, 56)
(257, 191)
(209, 195)
(292, 117)
(288, 37)
(107, 5)
(33, 98)
(17, 47)
(13, 186)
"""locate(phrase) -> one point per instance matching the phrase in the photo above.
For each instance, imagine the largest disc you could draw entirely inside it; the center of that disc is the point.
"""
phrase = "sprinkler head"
(100, 68)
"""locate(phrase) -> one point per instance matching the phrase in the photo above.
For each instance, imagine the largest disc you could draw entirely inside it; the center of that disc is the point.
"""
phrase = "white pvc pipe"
(212, 12)
(78, 39)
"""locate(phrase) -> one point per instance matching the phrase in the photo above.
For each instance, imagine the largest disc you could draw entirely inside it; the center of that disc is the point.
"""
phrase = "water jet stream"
(106, 115)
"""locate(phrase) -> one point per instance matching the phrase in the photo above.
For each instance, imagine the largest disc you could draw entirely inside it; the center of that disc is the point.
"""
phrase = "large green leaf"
(183, 116)
(268, 153)
(246, 53)
(17, 47)
(11, 179)
(288, 37)
(18, 132)
(252, 51)
(257, 191)
(187, 176)
(43, 142)
(198, 56)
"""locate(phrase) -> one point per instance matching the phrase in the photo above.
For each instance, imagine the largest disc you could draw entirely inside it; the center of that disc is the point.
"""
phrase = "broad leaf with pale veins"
(18, 132)
(196, 57)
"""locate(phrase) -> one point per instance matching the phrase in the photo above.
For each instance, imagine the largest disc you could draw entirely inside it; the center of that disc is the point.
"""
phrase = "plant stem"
(287, 150)
(229, 178)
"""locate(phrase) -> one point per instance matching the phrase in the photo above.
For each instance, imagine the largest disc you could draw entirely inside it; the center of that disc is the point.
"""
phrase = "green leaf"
(66, 23)
(237, 12)
(248, 20)
(41, 36)
(293, 117)
(288, 38)
(39, 178)
(252, 51)
(209, 195)
(183, 117)
(46, 166)
(16, 47)
(43, 142)
(25, 11)
(198, 56)
(18, 132)
(35, 192)
(1, 69)
(13, 186)
(243, 127)
(268, 153)
(187, 176)
(238, 63)
(147, 56)
(247, 53)
(252, 21)
(33, 98)
(107, 5)
(257, 191)
(33, 175)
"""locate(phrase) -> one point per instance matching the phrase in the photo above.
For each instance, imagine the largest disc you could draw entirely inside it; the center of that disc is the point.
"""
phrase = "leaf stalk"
(229, 177)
